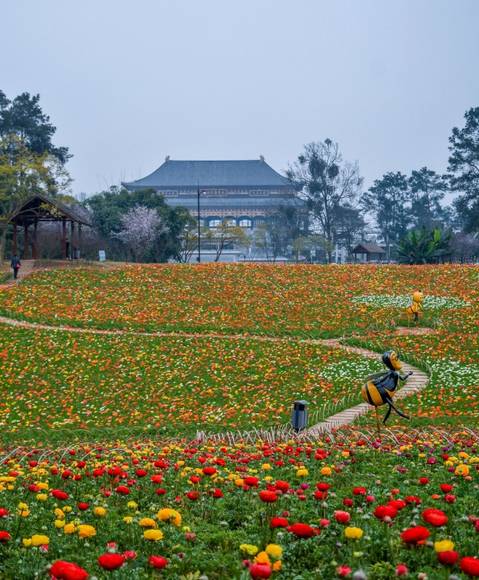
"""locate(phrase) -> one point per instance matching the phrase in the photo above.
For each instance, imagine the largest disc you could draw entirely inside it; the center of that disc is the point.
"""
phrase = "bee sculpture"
(416, 305)
(380, 388)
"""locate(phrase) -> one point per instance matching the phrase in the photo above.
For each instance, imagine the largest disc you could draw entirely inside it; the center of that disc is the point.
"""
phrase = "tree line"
(418, 217)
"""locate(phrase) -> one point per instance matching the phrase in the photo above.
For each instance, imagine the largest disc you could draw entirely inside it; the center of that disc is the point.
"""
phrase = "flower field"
(282, 510)
(100, 472)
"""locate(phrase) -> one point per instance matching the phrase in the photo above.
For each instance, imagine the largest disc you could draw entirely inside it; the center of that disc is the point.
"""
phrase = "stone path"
(25, 270)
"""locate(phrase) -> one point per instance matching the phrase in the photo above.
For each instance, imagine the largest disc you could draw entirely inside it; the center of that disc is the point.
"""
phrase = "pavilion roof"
(42, 208)
(368, 248)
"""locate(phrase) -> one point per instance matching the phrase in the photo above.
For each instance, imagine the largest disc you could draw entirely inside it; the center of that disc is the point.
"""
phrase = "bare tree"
(326, 182)
(225, 235)
(140, 228)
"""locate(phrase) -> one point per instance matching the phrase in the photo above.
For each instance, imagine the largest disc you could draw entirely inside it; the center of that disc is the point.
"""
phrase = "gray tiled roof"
(249, 173)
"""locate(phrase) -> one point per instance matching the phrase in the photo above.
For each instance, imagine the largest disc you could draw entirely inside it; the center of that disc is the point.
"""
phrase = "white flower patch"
(385, 300)
(451, 373)
(351, 369)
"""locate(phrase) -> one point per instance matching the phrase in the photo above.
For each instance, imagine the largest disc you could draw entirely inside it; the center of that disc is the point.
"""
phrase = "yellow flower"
(302, 472)
(40, 540)
(462, 469)
(444, 546)
(326, 471)
(69, 528)
(262, 558)
(274, 550)
(147, 523)
(154, 535)
(86, 531)
(132, 505)
(128, 519)
(266, 467)
(99, 511)
(249, 549)
(42, 485)
(353, 533)
(67, 509)
(170, 515)
(42, 496)
(59, 523)
(59, 514)
(239, 482)
(27, 542)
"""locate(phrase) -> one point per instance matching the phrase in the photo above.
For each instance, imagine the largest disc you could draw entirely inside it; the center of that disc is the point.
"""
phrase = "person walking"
(15, 264)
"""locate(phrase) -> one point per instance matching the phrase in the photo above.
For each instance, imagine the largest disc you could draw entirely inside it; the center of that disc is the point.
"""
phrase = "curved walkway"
(415, 383)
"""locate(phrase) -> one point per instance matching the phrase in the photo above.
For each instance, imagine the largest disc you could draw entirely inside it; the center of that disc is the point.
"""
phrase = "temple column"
(35, 240)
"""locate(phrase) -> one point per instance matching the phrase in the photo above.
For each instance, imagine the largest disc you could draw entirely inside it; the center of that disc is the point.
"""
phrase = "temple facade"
(242, 193)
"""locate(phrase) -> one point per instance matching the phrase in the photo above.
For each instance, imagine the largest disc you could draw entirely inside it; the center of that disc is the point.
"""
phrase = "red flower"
(412, 499)
(251, 481)
(141, 472)
(62, 570)
(158, 478)
(267, 496)
(470, 566)
(193, 495)
(209, 470)
(111, 561)
(282, 485)
(383, 511)
(342, 517)
(322, 486)
(448, 558)
(399, 504)
(446, 487)
(450, 498)
(4, 536)
(82, 506)
(348, 502)
(343, 571)
(279, 523)
(320, 495)
(423, 480)
(3, 512)
(434, 517)
(302, 530)
(401, 570)
(415, 535)
(158, 562)
(129, 555)
(122, 490)
(359, 491)
(59, 494)
(217, 493)
(260, 571)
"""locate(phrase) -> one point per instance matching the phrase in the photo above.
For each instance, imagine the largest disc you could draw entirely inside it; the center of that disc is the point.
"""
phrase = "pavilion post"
(14, 240)
(72, 240)
(25, 241)
(64, 238)
(35, 240)
(79, 240)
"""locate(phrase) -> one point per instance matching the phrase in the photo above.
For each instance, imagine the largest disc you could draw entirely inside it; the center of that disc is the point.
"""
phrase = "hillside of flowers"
(260, 299)
(348, 508)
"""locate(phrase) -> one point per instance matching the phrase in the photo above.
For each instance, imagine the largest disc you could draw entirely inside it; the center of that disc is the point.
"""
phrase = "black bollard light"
(299, 417)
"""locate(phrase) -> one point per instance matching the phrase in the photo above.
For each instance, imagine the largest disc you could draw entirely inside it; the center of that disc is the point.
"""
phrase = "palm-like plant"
(424, 246)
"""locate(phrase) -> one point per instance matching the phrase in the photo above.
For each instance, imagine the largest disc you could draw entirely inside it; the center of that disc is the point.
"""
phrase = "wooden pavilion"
(369, 252)
(40, 208)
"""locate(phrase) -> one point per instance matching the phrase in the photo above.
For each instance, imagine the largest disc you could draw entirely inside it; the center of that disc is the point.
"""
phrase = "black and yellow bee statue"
(416, 305)
(380, 388)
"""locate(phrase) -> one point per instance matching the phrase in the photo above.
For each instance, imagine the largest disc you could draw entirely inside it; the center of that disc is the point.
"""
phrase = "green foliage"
(424, 246)
(464, 169)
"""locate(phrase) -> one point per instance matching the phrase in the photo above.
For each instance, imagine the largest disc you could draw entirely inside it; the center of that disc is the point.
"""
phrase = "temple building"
(243, 193)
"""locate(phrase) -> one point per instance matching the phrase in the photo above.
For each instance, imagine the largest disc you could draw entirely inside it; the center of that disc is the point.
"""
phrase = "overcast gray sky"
(128, 82)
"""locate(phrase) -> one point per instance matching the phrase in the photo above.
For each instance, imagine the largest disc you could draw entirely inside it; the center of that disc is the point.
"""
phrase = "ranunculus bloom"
(434, 517)
(353, 533)
(282, 485)
(383, 511)
(359, 491)
(158, 562)
(4, 536)
(59, 494)
(258, 570)
(62, 570)
(209, 470)
(470, 566)
(122, 490)
(111, 561)
(446, 487)
(193, 495)
(342, 517)
(443, 546)
(343, 571)
(251, 481)
(302, 530)
(322, 486)
(401, 570)
(415, 535)
(448, 558)
(3, 512)
(278, 522)
(267, 496)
